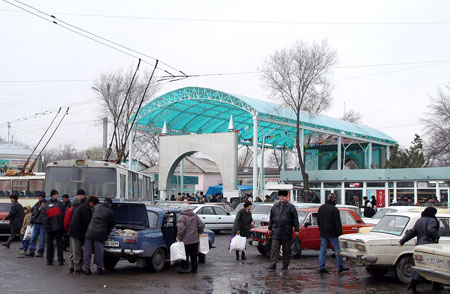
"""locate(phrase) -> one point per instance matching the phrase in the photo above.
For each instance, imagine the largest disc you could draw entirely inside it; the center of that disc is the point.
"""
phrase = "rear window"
(133, 216)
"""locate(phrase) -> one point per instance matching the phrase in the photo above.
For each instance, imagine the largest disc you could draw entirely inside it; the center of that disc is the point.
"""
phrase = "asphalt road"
(221, 274)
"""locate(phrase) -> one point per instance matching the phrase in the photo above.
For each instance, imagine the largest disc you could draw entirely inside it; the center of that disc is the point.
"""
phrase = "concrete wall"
(221, 147)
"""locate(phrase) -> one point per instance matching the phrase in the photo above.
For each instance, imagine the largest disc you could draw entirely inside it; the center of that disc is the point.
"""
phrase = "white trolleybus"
(99, 178)
(27, 187)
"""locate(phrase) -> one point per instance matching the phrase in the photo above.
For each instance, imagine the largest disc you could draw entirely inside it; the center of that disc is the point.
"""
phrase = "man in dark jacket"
(101, 224)
(38, 227)
(242, 224)
(330, 228)
(426, 229)
(53, 220)
(77, 229)
(15, 217)
(283, 218)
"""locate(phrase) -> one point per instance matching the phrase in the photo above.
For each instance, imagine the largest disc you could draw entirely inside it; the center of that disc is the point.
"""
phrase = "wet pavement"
(221, 274)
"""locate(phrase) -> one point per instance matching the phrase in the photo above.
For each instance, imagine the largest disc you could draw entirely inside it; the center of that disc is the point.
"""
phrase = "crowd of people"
(79, 226)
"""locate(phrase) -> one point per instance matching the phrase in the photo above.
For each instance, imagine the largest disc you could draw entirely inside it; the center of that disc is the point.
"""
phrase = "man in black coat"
(53, 220)
(242, 224)
(330, 228)
(283, 218)
(101, 224)
(77, 229)
(15, 217)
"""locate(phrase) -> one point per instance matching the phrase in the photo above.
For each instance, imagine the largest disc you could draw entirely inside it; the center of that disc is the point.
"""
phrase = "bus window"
(19, 187)
(35, 187)
(130, 185)
(122, 186)
(5, 188)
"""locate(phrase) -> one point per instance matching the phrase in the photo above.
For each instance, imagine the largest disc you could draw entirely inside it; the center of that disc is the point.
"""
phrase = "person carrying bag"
(241, 227)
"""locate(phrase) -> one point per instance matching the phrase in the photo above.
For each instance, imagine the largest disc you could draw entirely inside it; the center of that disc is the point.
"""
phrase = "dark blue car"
(143, 235)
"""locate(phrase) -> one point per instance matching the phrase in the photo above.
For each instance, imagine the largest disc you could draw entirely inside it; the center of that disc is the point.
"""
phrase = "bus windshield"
(101, 182)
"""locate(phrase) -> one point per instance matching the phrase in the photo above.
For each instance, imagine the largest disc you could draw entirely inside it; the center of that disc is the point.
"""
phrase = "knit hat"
(185, 206)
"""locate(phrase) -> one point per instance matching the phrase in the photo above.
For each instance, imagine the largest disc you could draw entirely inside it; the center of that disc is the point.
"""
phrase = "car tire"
(377, 272)
(403, 269)
(158, 260)
(110, 262)
(262, 249)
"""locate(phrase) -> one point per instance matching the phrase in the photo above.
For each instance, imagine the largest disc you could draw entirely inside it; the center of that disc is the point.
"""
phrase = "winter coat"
(65, 206)
(101, 224)
(26, 222)
(369, 211)
(52, 217)
(329, 221)
(68, 218)
(282, 219)
(189, 226)
(80, 221)
(242, 223)
(15, 216)
(426, 229)
(36, 217)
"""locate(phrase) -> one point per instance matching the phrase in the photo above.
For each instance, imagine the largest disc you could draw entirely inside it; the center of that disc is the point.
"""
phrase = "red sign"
(380, 198)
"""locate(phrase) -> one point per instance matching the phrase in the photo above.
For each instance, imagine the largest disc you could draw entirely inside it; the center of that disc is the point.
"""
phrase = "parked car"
(309, 235)
(214, 217)
(378, 250)
(261, 214)
(433, 262)
(143, 235)
(4, 224)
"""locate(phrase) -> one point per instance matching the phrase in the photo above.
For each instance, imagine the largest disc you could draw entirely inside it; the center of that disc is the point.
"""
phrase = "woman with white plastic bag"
(26, 230)
(189, 227)
(242, 224)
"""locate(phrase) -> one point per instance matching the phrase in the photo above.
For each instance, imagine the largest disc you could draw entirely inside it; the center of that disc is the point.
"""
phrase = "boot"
(243, 256)
(237, 255)
(412, 286)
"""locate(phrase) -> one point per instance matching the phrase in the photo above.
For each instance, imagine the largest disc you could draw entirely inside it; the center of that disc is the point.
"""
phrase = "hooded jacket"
(189, 226)
(101, 224)
(329, 221)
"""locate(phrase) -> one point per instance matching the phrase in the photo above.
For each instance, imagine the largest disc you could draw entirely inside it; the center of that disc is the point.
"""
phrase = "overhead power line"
(254, 21)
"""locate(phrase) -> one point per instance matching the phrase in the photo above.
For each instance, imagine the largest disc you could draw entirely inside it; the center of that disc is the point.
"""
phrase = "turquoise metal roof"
(202, 110)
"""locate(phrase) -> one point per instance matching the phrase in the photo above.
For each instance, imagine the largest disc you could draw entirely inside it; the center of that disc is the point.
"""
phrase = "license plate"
(435, 260)
(112, 243)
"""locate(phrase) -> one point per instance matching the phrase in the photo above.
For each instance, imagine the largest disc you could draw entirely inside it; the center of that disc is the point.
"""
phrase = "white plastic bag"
(203, 247)
(177, 252)
(238, 243)
(28, 233)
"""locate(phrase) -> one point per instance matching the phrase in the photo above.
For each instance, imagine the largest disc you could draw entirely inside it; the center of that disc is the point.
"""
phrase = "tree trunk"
(299, 155)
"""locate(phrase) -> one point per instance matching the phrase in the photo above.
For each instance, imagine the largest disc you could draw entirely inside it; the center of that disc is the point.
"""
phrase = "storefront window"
(403, 194)
(444, 197)
(424, 194)
(391, 185)
(405, 184)
(350, 194)
(391, 196)
(375, 184)
(333, 185)
(444, 184)
(337, 193)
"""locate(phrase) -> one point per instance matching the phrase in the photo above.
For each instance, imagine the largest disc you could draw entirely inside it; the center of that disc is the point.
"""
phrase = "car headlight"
(361, 247)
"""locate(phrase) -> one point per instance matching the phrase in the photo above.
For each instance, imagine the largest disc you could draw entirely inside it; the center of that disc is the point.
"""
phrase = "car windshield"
(301, 216)
(391, 224)
(262, 209)
(382, 212)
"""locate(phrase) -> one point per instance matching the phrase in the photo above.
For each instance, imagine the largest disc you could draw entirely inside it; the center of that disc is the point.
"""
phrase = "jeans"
(323, 251)
(38, 231)
(51, 236)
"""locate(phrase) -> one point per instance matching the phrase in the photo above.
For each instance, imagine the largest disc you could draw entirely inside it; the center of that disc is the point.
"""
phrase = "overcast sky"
(393, 55)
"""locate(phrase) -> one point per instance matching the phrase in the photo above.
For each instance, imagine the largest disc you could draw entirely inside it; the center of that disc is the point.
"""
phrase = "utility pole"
(105, 137)
(9, 128)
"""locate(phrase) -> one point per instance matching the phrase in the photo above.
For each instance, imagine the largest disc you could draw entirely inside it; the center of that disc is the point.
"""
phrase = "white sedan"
(214, 217)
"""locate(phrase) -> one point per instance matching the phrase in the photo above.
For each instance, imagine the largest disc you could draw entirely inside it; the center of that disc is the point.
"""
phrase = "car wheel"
(158, 260)
(377, 272)
(110, 262)
(403, 269)
(262, 249)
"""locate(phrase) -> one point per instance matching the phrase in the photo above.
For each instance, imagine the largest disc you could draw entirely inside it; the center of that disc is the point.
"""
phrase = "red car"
(4, 224)
(309, 235)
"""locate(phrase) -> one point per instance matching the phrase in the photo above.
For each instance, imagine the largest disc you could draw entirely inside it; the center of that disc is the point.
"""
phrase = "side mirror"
(307, 224)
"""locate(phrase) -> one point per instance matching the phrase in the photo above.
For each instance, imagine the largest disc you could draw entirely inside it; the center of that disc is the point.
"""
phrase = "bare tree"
(245, 157)
(112, 89)
(65, 151)
(146, 148)
(352, 116)
(299, 77)
(437, 126)
(275, 158)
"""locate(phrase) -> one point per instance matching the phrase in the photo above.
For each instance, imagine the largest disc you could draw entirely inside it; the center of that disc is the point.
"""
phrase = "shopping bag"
(177, 252)
(28, 233)
(203, 247)
(238, 243)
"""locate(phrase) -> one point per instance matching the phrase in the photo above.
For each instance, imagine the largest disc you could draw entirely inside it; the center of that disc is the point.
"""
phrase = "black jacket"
(15, 216)
(426, 229)
(65, 206)
(329, 221)
(369, 211)
(101, 224)
(80, 221)
(242, 223)
(282, 219)
(52, 216)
